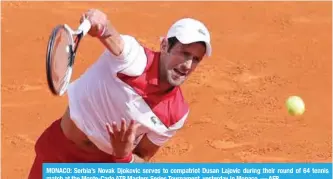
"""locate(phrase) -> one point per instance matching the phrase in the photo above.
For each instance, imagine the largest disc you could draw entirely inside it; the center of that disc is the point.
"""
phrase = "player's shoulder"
(152, 57)
(133, 40)
(137, 58)
(149, 54)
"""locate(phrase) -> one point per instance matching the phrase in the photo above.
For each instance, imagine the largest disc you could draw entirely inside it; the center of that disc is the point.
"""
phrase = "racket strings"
(65, 76)
(61, 53)
(61, 59)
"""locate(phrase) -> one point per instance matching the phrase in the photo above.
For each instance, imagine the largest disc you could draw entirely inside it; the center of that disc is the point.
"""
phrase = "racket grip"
(85, 26)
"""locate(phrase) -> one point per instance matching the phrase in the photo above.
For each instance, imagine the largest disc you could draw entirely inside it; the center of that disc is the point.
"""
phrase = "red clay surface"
(263, 52)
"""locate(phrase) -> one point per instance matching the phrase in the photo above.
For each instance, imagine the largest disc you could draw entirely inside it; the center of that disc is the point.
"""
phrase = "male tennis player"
(129, 102)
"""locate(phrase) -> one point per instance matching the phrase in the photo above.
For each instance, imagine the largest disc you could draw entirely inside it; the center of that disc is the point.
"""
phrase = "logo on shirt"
(153, 119)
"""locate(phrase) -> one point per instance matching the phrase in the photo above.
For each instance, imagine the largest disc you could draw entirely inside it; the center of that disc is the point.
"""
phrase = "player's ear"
(164, 45)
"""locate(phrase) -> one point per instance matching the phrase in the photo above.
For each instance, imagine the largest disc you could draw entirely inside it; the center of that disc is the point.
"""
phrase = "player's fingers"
(132, 128)
(90, 15)
(122, 128)
(82, 18)
(110, 132)
(123, 125)
(90, 12)
(129, 130)
(136, 126)
(115, 129)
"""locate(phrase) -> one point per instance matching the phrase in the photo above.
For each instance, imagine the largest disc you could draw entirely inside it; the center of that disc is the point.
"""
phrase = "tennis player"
(128, 103)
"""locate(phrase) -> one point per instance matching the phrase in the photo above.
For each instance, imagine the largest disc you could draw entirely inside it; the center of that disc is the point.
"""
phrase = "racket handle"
(85, 26)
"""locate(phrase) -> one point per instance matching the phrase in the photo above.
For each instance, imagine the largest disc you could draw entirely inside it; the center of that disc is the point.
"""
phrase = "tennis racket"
(61, 50)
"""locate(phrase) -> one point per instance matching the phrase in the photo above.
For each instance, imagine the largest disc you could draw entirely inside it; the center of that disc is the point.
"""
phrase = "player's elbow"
(115, 46)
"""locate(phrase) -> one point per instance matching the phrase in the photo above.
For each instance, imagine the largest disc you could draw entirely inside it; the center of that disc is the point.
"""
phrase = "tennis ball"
(295, 105)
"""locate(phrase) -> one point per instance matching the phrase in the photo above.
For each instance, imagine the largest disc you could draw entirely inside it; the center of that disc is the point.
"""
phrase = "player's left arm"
(145, 150)
(152, 142)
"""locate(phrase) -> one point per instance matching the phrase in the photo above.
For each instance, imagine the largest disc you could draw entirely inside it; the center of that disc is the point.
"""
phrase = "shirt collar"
(153, 72)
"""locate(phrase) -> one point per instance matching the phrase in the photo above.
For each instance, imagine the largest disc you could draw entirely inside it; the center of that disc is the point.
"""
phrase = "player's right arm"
(112, 40)
(103, 29)
(124, 52)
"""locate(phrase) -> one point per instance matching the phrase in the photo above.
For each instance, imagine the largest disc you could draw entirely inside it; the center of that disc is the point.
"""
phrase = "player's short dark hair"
(172, 41)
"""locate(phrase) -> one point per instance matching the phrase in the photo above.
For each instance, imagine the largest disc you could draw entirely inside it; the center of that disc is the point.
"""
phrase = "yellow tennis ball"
(295, 105)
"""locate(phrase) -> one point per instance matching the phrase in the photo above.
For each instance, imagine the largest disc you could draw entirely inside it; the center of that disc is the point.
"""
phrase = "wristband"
(127, 159)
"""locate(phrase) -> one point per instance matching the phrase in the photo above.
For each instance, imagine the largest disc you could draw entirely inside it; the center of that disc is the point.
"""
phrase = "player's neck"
(165, 87)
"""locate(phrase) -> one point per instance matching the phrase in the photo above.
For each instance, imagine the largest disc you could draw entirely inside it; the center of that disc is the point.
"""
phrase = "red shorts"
(53, 146)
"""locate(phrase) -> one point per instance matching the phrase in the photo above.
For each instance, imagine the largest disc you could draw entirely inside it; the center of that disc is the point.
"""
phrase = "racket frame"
(74, 43)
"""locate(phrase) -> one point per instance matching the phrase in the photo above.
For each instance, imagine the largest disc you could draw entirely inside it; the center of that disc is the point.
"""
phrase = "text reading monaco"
(102, 170)
(58, 170)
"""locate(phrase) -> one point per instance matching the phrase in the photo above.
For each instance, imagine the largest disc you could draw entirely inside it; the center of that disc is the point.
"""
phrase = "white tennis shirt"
(125, 86)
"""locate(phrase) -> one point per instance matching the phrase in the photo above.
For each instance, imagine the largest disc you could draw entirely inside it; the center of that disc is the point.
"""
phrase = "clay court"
(263, 52)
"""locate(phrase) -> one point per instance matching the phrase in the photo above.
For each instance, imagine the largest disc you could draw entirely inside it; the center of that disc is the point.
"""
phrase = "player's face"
(181, 61)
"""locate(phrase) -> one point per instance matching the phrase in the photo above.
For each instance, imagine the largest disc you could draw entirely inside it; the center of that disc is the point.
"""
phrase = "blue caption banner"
(187, 171)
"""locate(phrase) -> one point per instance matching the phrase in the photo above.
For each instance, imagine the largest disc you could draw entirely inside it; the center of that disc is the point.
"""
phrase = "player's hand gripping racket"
(61, 50)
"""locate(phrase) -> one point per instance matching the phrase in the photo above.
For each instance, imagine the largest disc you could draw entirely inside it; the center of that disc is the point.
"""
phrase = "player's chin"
(176, 81)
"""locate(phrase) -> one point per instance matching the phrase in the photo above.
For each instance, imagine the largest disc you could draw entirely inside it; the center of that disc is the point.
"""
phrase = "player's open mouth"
(179, 72)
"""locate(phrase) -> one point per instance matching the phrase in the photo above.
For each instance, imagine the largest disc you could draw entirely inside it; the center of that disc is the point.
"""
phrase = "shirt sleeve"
(161, 139)
(132, 61)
